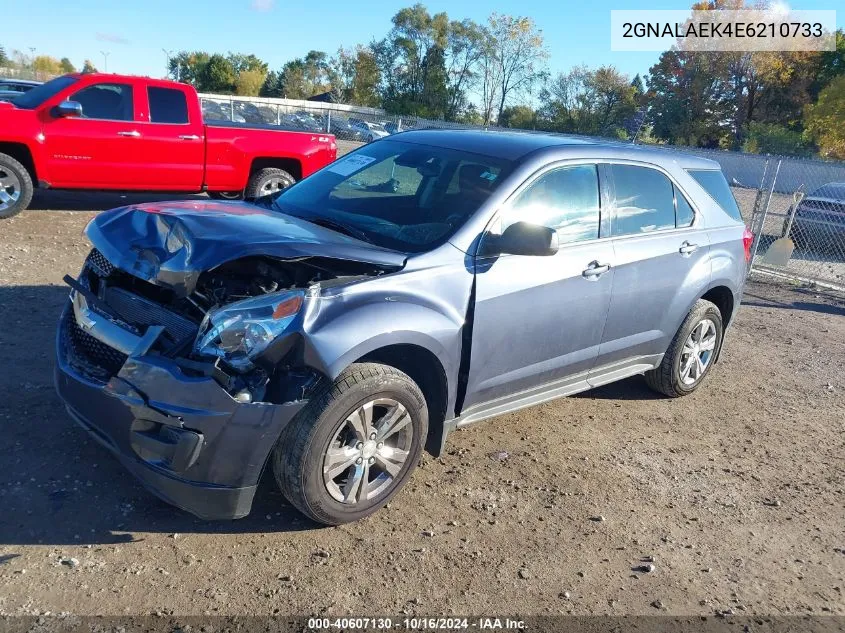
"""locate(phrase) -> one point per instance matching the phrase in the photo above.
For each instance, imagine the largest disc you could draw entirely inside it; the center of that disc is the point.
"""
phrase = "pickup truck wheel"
(267, 181)
(691, 354)
(354, 444)
(15, 187)
(226, 195)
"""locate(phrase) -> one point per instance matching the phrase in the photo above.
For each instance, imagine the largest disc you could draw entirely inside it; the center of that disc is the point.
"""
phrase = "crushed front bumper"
(183, 436)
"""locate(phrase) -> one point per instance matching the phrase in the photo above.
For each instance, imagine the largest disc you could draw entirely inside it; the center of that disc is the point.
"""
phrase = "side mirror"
(524, 238)
(68, 109)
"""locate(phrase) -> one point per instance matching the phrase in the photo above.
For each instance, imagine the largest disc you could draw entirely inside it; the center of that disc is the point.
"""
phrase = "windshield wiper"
(340, 228)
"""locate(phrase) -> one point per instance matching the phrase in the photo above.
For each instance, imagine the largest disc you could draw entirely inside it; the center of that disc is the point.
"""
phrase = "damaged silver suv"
(420, 284)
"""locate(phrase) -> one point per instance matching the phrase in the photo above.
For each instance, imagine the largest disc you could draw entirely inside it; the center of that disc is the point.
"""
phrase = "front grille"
(141, 313)
(97, 261)
(87, 354)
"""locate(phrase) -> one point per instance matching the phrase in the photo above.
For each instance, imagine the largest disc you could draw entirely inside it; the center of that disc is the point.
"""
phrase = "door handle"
(687, 248)
(595, 269)
(189, 137)
(132, 133)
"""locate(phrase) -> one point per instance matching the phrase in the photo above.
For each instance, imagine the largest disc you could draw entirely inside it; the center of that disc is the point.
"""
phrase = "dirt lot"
(737, 492)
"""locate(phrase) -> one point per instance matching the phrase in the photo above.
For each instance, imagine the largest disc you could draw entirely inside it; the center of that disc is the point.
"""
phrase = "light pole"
(167, 61)
(32, 51)
(105, 55)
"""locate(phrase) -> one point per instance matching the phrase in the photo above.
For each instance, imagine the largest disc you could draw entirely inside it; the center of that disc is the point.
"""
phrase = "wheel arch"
(21, 153)
(425, 369)
(291, 165)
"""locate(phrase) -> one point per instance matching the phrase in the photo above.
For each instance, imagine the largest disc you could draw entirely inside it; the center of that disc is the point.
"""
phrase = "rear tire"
(16, 187)
(267, 181)
(679, 374)
(331, 444)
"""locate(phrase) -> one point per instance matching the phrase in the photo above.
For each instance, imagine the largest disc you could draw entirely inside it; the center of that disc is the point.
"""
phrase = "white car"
(372, 131)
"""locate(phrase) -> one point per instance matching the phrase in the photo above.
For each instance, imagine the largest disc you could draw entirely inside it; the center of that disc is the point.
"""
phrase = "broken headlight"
(240, 331)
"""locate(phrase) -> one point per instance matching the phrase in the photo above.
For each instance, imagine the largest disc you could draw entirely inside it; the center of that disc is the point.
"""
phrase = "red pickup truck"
(100, 131)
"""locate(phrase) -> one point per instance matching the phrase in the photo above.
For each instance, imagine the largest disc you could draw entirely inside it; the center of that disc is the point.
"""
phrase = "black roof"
(507, 145)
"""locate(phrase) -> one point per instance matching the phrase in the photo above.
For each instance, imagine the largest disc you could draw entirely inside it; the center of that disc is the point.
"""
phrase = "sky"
(133, 34)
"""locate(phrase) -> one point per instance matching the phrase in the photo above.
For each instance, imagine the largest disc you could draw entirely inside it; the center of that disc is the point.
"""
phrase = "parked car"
(819, 218)
(18, 85)
(116, 132)
(249, 112)
(344, 130)
(415, 286)
(214, 111)
(370, 131)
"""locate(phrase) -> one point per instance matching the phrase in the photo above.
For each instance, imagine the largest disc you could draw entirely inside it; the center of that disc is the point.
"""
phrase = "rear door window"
(167, 105)
(645, 200)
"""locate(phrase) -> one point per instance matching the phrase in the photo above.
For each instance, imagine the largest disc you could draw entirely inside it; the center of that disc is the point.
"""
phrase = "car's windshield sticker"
(487, 175)
(349, 165)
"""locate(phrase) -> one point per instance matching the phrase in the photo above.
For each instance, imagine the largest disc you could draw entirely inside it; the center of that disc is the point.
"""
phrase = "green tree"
(824, 120)
(88, 67)
(354, 76)
(465, 45)
(4, 60)
(411, 62)
(271, 86)
(305, 77)
(188, 66)
(249, 83)
(584, 101)
(241, 63)
(217, 76)
(687, 102)
(518, 52)
(521, 117)
(831, 64)
(772, 138)
(67, 66)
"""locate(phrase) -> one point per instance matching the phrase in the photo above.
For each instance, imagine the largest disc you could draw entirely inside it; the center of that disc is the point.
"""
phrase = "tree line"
(495, 72)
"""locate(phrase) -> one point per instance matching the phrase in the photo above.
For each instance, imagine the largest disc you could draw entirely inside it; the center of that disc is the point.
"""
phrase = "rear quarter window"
(714, 183)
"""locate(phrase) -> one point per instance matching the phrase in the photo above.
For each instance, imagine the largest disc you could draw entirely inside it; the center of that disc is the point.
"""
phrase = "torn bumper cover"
(183, 436)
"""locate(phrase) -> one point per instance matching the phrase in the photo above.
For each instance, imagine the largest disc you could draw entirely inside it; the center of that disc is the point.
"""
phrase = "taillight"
(747, 241)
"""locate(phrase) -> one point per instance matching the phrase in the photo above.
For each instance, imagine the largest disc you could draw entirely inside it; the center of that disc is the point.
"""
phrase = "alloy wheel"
(273, 185)
(368, 451)
(698, 352)
(10, 189)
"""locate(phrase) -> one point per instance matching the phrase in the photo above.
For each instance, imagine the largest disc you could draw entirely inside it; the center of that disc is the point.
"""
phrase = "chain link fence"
(800, 200)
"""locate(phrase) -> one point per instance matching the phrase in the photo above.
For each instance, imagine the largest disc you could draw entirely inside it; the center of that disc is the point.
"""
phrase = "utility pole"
(167, 62)
(105, 55)
(32, 63)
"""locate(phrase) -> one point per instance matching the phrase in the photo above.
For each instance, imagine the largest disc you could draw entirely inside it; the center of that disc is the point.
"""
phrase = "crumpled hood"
(171, 243)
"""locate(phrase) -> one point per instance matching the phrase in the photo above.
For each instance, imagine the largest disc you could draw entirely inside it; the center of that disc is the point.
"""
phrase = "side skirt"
(551, 391)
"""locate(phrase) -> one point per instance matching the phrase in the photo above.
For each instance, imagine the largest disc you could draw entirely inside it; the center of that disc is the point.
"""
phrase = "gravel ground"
(734, 494)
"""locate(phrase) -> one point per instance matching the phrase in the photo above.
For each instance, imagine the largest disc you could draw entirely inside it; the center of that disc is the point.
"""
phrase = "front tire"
(691, 354)
(16, 187)
(354, 445)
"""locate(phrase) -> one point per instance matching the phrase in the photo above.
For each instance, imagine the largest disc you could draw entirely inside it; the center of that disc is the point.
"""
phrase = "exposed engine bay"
(137, 304)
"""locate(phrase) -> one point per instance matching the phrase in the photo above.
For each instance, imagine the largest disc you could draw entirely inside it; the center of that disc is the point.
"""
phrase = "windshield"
(398, 195)
(38, 95)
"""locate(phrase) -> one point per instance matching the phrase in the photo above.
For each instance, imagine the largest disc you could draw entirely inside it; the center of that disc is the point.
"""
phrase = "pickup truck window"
(38, 95)
(106, 101)
(167, 105)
